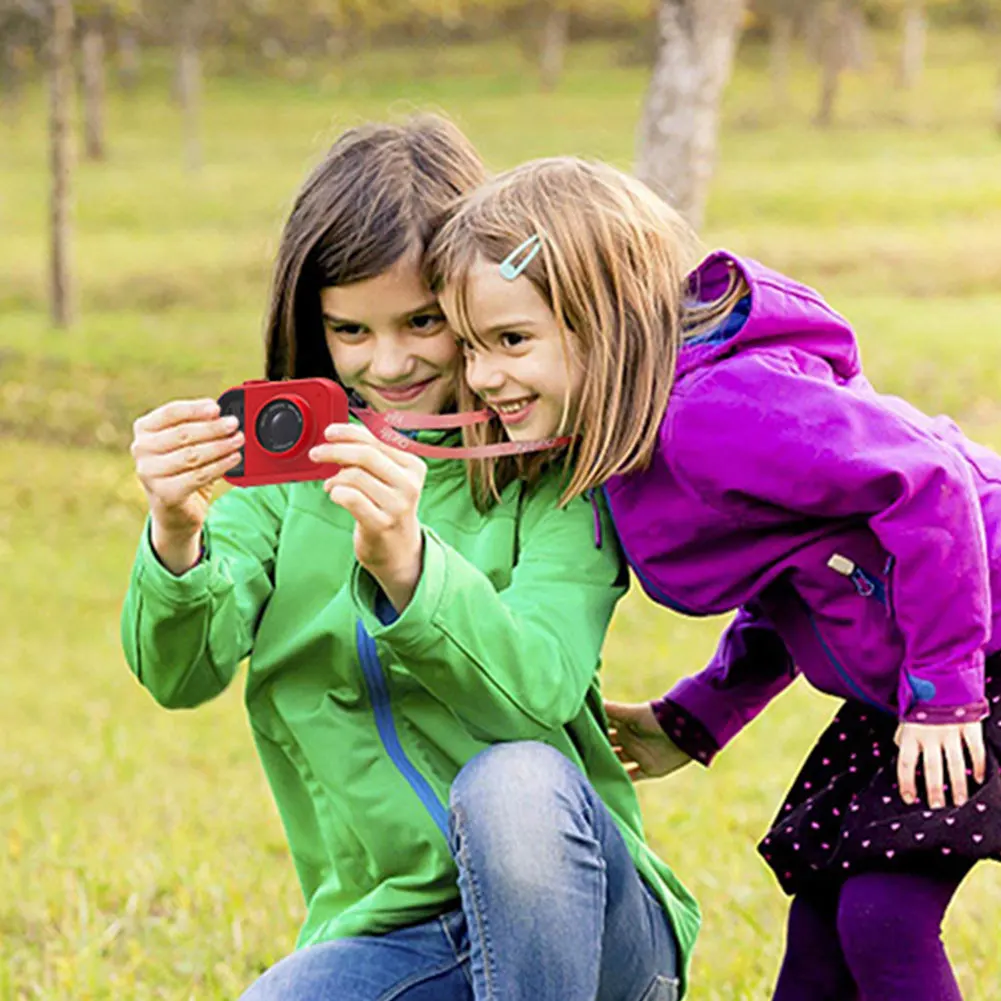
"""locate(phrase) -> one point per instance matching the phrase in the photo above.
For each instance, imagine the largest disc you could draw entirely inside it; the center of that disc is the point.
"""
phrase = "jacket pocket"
(662, 989)
(866, 584)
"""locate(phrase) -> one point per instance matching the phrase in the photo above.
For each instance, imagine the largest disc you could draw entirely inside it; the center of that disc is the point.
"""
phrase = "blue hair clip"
(509, 269)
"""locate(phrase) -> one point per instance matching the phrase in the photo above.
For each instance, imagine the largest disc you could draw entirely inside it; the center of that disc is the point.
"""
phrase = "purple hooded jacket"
(858, 539)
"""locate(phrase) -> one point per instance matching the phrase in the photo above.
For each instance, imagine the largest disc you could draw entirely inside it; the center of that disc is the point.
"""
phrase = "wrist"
(400, 578)
(177, 551)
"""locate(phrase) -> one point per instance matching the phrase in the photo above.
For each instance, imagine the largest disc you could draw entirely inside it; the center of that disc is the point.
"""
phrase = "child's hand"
(640, 743)
(181, 449)
(380, 487)
(929, 742)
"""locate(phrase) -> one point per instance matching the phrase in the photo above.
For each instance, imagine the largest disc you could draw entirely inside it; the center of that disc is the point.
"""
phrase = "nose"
(483, 374)
(392, 359)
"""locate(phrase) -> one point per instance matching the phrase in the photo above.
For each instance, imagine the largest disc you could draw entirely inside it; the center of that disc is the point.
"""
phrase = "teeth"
(514, 407)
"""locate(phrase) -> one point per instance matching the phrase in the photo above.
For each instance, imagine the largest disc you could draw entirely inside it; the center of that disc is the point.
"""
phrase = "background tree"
(60, 145)
(189, 80)
(92, 17)
(839, 25)
(780, 16)
(552, 51)
(677, 139)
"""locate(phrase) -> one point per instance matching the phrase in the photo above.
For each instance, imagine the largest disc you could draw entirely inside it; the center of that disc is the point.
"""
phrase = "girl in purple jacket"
(750, 466)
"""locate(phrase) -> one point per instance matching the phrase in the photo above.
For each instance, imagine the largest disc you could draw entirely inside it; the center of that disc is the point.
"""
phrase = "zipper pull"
(841, 564)
(847, 568)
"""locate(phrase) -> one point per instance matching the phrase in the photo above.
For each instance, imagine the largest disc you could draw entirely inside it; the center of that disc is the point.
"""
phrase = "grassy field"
(140, 854)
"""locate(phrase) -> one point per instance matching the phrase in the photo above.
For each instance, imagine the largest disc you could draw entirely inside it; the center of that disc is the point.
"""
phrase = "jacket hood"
(777, 312)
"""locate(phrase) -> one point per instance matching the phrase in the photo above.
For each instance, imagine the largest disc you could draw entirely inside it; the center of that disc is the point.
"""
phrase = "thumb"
(625, 712)
(618, 710)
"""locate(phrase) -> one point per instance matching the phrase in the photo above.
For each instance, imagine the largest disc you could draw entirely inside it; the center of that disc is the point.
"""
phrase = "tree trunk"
(912, 51)
(677, 140)
(781, 44)
(189, 85)
(833, 58)
(60, 159)
(858, 47)
(128, 59)
(552, 52)
(92, 77)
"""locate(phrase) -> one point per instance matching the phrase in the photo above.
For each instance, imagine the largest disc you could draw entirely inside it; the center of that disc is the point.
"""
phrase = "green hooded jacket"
(361, 726)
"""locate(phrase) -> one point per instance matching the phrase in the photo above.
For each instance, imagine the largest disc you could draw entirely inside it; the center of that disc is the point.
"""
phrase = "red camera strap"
(384, 426)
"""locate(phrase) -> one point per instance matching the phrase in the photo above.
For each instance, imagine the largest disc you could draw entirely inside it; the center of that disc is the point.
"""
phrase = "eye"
(427, 322)
(346, 329)
(509, 339)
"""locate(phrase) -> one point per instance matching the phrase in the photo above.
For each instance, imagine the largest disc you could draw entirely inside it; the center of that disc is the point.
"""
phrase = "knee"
(513, 804)
(505, 778)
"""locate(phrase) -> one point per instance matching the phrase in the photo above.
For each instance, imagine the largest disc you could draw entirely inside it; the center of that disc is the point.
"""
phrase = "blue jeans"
(553, 908)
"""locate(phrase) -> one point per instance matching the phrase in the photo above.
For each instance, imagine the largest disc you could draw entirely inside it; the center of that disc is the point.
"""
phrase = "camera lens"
(279, 425)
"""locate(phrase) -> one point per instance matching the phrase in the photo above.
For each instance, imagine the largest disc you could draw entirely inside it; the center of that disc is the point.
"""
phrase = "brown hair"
(378, 192)
(613, 265)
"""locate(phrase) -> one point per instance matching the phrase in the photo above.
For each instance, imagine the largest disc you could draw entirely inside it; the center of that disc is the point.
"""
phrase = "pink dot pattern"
(844, 813)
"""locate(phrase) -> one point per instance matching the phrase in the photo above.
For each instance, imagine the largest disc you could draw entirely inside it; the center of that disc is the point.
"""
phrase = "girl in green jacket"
(422, 685)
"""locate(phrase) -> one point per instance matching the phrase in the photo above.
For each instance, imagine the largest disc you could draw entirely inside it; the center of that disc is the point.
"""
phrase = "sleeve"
(184, 636)
(517, 663)
(751, 666)
(816, 448)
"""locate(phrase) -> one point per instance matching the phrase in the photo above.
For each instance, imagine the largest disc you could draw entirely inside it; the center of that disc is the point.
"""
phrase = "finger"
(973, 734)
(907, 762)
(931, 752)
(175, 489)
(191, 458)
(184, 435)
(359, 434)
(393, 502)
(622, 712)
(957, 768)
(176, 412)
(368, 516)
(635, 773)
(361, 456)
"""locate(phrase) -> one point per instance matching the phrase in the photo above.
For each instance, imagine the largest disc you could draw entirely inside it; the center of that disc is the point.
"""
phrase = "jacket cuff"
(181, 589)
(685, 731)
(408, 633)
(709, 706)
(952, 693)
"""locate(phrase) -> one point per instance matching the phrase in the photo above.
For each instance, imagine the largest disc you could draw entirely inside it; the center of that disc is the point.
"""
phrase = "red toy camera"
(281, 421)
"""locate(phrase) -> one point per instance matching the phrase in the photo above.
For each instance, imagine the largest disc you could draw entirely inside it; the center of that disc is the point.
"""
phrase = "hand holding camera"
(181, 449)
(298, 430)
(380, 487)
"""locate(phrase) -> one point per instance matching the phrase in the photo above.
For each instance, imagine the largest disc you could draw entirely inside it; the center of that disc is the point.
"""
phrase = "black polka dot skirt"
(844, 814)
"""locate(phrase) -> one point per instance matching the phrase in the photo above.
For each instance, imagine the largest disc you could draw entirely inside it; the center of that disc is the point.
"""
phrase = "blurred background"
(149, 150)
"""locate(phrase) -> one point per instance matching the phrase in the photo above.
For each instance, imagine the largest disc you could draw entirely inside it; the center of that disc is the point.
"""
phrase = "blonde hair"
(613, 267)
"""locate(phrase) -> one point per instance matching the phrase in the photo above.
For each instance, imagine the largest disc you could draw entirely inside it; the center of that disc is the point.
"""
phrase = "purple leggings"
(877, 937)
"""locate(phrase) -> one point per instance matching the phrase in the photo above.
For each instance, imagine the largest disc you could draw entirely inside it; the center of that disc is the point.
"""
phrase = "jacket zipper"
(866, 585)
(378, 693)
(850, 683)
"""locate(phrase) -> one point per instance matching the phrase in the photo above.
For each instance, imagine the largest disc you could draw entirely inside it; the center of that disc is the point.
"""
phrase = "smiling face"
(389, 340)
(518, 364)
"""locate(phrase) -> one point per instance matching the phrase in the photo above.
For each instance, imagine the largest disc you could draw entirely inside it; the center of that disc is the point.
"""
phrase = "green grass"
(140, 854)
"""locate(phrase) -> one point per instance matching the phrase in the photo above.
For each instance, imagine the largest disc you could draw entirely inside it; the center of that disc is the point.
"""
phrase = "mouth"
(513, 412)
(402, 394)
